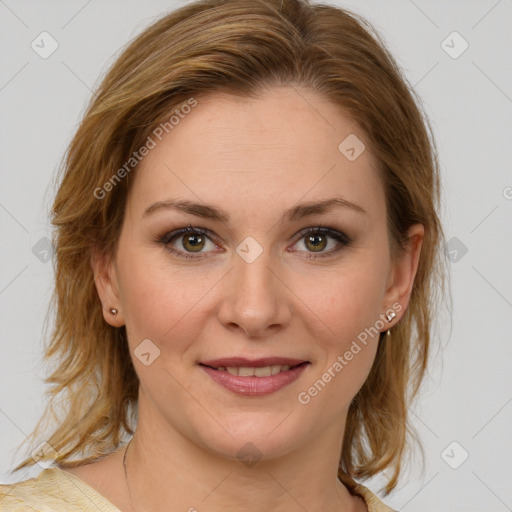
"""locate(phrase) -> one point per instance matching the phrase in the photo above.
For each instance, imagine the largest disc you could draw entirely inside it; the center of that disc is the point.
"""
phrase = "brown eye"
(316, 243)
(193, 242)
(316, 240)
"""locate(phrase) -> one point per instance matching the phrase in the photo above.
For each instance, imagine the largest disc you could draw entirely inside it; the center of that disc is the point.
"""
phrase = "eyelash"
(342, 238)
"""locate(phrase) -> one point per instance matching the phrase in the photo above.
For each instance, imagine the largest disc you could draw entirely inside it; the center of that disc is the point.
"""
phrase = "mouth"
(263, 367)
(254, 377)
(256, 371)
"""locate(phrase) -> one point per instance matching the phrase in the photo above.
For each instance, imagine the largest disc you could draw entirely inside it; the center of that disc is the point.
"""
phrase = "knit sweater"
(56, 490)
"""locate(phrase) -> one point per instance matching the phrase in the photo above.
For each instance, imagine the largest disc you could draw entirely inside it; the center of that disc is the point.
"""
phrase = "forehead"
(284, 145)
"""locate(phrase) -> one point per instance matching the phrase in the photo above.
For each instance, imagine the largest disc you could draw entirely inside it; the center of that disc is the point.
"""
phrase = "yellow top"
(56, 490)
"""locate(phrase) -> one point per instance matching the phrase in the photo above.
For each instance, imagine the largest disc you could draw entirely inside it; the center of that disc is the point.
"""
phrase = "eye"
(193, 241)
(189, 242)
(315, 240)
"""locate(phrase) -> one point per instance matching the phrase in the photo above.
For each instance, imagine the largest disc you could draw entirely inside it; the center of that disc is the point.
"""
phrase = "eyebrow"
(295, 213)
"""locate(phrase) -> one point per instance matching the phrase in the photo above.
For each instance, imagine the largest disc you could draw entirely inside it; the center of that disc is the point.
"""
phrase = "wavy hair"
(237, 47)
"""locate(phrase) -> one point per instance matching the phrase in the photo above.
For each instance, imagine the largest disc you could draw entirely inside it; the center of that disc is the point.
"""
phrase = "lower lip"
(255, 386)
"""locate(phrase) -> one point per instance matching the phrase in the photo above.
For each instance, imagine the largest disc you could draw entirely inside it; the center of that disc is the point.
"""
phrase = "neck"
(171, 469)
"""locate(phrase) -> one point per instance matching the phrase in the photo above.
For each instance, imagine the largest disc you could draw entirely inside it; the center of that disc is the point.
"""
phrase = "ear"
(105, 280)
(403, 271)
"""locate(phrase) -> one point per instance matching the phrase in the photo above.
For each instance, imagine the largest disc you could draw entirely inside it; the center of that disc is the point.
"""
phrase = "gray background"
(468, 398)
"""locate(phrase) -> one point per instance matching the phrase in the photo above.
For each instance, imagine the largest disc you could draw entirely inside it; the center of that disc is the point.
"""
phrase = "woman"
(247, 247)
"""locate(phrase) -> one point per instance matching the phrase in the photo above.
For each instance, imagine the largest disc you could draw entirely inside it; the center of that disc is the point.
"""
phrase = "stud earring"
(113, 312)
(390, 316)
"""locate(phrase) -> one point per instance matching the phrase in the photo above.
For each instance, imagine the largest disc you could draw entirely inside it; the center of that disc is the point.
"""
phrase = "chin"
(254, 436)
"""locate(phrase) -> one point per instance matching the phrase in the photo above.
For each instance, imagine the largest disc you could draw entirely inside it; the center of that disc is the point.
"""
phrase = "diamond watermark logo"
(146, 352)
(44, 45)
(249, 250)
(44, 455)
(43, 249)
(454, 455)
(454, 45)
(249, 455)
(455, 249)
(351, 147)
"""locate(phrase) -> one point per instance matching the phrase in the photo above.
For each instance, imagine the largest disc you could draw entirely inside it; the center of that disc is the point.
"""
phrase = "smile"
(255, 380)
(247, 371)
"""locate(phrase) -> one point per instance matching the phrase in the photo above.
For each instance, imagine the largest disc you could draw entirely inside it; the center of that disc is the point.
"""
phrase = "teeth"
(275, 369)
(244, 371)
(265, 371)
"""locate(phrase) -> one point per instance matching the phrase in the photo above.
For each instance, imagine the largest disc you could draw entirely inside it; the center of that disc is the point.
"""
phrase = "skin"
(254, 158)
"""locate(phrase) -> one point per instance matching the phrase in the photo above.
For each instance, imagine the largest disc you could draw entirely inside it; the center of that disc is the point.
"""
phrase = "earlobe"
(404, 270)
(105, 280)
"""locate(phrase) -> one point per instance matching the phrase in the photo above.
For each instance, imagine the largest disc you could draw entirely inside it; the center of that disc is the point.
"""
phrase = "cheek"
(345, 308)
(344, 302)
(160, 302)
(347, 345)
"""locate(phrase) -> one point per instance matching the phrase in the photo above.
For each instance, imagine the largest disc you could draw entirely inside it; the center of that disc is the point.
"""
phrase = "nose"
(256, 298)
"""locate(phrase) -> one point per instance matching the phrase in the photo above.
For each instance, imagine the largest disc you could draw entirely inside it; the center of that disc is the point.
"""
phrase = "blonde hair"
(236, 47)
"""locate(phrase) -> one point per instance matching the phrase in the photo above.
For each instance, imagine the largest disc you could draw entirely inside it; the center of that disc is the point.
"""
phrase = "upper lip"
(252, 363)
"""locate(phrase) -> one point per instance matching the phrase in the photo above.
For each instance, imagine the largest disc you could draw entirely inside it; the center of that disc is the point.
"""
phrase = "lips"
(254, 377)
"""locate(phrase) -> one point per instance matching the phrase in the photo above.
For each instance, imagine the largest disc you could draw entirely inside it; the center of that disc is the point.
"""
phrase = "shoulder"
(28, 495)
(53, 490)
(373, 503)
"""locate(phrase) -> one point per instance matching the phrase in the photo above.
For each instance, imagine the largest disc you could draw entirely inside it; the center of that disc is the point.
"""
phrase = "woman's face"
(252, 279)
